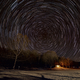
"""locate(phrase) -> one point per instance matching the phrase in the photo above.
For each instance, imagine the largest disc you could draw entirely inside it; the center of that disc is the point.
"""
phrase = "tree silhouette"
(50, 57)
(62, 61)
(17, 45)
(65, 62)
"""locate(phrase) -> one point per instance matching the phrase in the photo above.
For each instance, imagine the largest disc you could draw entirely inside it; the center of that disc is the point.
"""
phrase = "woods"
(32, 59)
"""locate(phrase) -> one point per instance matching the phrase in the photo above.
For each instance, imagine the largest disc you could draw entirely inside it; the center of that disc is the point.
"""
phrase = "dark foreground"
(40, 75)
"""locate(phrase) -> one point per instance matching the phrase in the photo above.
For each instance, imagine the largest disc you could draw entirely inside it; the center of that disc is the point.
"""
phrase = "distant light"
(57, 66)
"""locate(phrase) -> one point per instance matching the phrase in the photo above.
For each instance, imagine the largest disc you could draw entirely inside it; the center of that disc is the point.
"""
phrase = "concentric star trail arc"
(49, 24)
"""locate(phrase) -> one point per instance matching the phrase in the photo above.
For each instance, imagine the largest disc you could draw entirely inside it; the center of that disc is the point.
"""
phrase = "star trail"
(49, 24)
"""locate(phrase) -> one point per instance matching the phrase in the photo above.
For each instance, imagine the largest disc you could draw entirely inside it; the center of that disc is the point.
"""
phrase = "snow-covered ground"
(67, 74)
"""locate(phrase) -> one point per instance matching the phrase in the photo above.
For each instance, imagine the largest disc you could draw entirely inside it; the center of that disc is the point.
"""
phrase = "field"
(40, 75)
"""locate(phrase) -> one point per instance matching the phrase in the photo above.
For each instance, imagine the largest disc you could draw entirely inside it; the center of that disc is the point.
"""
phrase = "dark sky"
(49, 24)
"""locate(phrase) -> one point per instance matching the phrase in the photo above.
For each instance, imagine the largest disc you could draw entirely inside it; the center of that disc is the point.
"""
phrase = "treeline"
(32, 59)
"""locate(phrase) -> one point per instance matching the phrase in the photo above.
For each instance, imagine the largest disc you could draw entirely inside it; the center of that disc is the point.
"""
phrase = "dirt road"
(40, 75)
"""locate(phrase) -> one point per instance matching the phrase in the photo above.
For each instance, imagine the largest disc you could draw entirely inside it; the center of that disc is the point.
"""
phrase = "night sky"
(49, 24)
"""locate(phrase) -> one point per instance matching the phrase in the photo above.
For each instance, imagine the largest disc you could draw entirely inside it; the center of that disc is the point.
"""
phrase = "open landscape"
(39, 39)
(65, 74)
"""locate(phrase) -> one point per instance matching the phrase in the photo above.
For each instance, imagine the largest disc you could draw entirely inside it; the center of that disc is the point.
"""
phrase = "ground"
(68, 74)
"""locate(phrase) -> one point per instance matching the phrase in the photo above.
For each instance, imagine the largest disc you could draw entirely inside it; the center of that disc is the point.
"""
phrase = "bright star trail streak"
(49, 24)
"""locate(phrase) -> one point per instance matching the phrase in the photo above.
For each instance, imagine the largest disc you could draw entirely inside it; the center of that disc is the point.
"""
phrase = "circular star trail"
(49, 24)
